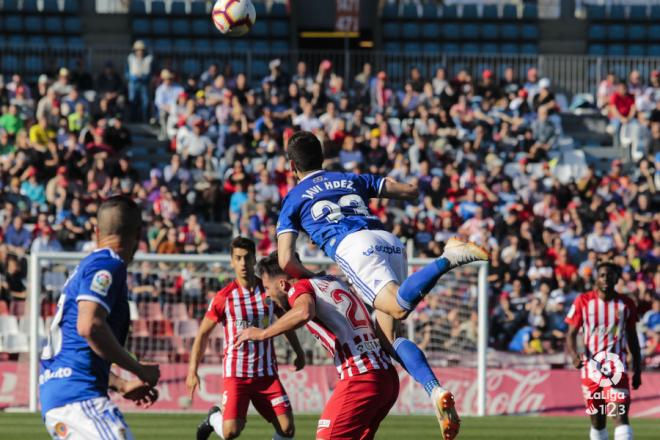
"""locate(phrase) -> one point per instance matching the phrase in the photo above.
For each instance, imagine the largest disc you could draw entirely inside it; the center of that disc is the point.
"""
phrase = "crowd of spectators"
(482, 150)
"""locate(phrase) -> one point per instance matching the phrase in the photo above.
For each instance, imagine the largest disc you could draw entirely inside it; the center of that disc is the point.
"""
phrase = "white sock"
(623, 432)
(216, 422)
(595, 434)
(276, 436)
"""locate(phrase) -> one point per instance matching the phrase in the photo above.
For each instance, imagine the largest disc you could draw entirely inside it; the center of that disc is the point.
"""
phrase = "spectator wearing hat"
(62, 86)
(196, 143)
(544, 98)
(138, 73)
(165, 100)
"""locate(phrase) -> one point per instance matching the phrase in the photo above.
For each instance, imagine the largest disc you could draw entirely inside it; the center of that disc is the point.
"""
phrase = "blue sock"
(415, 363)
(417, 285)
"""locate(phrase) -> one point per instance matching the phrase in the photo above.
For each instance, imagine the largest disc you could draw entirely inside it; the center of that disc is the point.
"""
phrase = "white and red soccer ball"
(234, 17)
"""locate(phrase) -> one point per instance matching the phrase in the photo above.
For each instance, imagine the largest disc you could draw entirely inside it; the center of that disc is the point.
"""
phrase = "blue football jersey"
(70, 370)
(330, 205)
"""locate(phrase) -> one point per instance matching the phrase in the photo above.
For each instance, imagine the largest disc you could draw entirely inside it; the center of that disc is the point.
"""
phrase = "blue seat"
(392, 30)
(57, 41)
(616, 32)
(410, 30)
(654, 32)
(529, 49)
(469, 31)
(430, 11)
(36, 40)
(141, 26)
(596, 12)
(221, 45)
(198, 8)
(17, 40)
(279, 28)
(530, 11)
(470, 48)
(392, 46)
(14, 23)
(452, 48)
(160, 26)
(431, 48)
(410, 11)
(76, 43)
(9, 63)
(178, 8)
(261, 46)
(391, 11)
(412, 47)
(30, 6)
(450, 31)
(259, 69)
(10, 6)
(490, 48)
(510, 12)
(191, 66)
(636, 32)
(180, 26)
(278, 10)
(490, 31)
(431, 31)
(51, 7)
(654, 50)
(510, 32)
(202, 27)
(34, 64)
(449, 12)
(596, 49)
(470, 12)
(655, 12)
(636, 50)
(71, 6)
(240, 45)
(394, 70)
(509, 48)
(53, 25)
(163, 45)
(260, 29)
(637, 12)
(260, 9)
(489, 12)
(530, 32)
(72, 25)
(597, 32)
(280, 46)
(34, 23)
(204, 46)
(182, 44)
(158, 7)
(617, 12)
(616, 50)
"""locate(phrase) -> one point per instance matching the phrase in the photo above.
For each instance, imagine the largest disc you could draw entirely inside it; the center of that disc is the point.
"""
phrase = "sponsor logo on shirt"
(382, 249)
(101, 282)
(60, 373)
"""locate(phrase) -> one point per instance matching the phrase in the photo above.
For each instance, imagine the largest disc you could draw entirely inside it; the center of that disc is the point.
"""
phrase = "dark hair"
(306, 152)
(118, 215)
(610, 265)
(270, 265)
(243, 243)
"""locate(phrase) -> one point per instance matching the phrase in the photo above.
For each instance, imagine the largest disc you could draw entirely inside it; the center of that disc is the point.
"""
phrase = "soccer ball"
(234, 17)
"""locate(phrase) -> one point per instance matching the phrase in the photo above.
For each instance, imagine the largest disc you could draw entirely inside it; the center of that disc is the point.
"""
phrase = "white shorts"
(370, 260)
(93, 419)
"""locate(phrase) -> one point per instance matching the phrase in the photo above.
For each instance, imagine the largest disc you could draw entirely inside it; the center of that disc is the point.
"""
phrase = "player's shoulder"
(226, 291)
(102, 260)
(585, 297)
(628, 301)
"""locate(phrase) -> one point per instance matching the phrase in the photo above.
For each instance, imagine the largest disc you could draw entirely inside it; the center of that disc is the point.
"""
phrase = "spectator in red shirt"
(622, 109)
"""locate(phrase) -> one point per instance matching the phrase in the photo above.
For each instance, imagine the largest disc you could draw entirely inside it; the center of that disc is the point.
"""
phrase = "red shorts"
(605, 399)
(266, 394)
(358, 405)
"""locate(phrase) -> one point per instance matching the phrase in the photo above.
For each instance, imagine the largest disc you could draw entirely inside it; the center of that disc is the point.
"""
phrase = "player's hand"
(140, 393)
(192, 382)
(149, 373)
(637, 380)
(577, 362)
(298, 363)
(250, 334)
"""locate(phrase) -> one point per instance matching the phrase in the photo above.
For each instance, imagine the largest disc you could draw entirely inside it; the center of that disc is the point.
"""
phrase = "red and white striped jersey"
(342, 325)
(604, 324)
(238, 308)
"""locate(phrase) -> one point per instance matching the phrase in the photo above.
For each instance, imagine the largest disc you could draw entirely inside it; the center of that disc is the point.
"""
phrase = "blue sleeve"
(102, 282)
(372, 184)
(288, 220)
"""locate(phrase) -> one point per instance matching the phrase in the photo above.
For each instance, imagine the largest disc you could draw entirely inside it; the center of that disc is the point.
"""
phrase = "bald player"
(87, 336)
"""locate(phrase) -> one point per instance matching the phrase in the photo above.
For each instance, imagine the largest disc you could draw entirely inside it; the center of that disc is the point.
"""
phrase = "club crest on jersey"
(101, 282)
(61, 430)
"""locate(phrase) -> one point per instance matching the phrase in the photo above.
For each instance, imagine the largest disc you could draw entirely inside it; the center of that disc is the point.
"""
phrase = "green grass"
(182, 426)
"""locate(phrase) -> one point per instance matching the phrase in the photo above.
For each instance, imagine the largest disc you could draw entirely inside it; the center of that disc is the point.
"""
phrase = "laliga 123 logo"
(605, 369)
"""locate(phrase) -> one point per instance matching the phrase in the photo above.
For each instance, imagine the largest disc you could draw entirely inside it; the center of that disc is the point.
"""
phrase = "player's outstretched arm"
(571, 346)
(196, 353)
(633, 345)
(292, 338)
(143, 395)
(286, 254)
(93, 326)
(303, 310)
(397, 190)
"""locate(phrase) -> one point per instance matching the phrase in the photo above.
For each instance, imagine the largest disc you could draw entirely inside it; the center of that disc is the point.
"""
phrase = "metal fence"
(570, 74)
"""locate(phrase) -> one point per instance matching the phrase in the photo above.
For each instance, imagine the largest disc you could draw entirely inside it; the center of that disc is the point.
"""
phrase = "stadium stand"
(623, 29)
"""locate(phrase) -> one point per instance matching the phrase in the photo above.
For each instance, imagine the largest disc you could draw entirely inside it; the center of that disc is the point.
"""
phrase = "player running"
(607, 320)
(330, 207)
(368, 384)
(87, 336)
(250, 371)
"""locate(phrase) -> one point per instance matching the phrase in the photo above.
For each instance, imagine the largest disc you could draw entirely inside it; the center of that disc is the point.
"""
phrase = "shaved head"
(119, 216)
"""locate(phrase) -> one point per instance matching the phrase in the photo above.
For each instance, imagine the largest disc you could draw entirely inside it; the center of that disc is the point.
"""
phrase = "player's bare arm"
(289, 262)
(571, 344)
(633, 346)
(303, 310)
(397, 190)
(92, 325)
(196, 353)
(292, 338)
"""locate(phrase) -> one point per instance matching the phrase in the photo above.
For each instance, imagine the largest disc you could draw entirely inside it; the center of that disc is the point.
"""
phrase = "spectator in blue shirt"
(33, 190)
(18, 238)
(165, 100)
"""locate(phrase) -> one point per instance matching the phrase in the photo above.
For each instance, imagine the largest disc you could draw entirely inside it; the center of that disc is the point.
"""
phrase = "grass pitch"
(158, 426)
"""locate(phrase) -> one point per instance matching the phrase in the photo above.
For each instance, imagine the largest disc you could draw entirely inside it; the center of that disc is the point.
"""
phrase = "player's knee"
(287, 429)
(231, 430)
